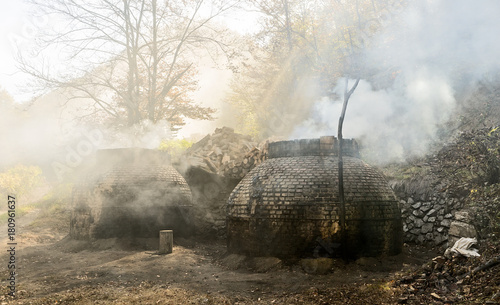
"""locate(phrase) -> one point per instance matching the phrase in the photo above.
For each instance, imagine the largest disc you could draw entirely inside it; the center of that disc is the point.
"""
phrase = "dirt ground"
(53, 269)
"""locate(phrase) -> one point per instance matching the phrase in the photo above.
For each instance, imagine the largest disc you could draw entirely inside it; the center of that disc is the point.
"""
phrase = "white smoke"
(434, 49)
(144, 134)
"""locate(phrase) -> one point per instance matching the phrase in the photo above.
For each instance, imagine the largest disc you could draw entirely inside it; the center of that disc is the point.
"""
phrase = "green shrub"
(19, 180)
(175, 146)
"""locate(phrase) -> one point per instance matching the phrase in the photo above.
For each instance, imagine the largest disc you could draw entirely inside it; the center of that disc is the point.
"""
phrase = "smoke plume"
(424, 59)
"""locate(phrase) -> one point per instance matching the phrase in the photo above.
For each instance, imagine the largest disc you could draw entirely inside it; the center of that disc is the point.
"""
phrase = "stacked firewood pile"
(227, 153)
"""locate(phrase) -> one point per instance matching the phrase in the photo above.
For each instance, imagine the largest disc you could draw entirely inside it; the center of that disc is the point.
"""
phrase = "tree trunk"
(343, 233)
(154, 54)
(288, 26)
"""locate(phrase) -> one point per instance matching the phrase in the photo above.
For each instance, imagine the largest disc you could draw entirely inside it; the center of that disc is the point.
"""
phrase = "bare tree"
(132, 58)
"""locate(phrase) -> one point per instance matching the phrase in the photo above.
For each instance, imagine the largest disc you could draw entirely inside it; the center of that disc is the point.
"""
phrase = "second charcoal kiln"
(132, 193)
(289, 205)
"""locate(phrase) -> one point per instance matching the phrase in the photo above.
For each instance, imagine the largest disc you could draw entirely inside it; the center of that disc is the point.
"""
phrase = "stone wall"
(439, 222)
(463, 174)
(427, 212)
(427, 221)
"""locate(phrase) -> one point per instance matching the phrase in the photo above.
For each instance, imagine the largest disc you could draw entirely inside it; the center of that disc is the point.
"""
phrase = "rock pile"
(461, 227)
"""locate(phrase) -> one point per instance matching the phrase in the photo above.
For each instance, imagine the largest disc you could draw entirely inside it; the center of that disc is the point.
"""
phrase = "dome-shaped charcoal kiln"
(288, 206)
(132, 193)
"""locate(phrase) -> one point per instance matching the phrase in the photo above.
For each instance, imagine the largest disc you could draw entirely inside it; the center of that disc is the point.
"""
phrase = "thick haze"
(424, 58)
(428, 54)
(48, 132)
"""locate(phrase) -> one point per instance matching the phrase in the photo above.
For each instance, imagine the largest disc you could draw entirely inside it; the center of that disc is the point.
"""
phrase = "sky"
(18, 27)
(46, 134)
(15, 25)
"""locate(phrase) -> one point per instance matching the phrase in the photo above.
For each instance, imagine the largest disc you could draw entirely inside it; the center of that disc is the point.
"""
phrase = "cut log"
(225, 159)
(166, 242)
(210, 165)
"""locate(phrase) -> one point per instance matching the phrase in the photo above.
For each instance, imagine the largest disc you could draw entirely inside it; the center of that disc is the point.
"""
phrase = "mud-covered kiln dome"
(288, 206)
(131, 192)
